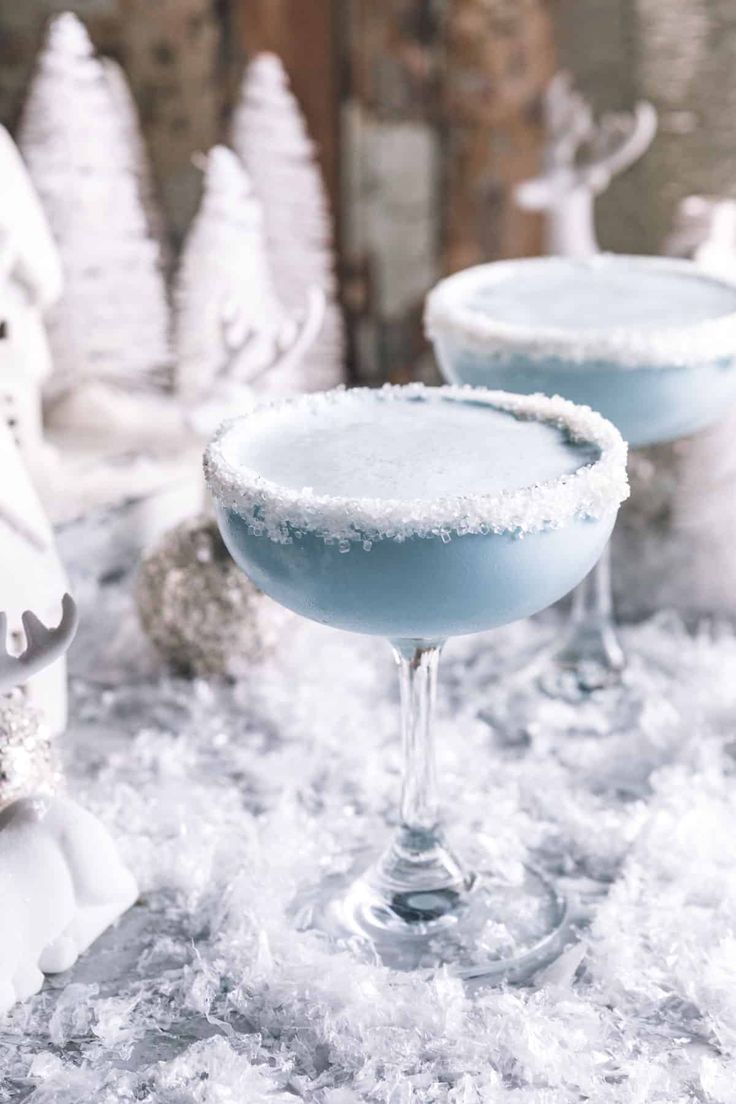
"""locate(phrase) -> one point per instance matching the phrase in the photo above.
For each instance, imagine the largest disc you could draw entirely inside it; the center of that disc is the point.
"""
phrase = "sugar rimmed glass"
(649, 342)
(416, 571)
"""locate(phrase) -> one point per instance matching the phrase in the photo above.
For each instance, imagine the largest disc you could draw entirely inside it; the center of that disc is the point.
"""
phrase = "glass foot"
(483, 927)
(573, 678)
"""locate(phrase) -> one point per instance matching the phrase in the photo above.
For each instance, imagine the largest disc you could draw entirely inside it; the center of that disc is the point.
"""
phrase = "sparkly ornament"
(28, 762)
(199, 611)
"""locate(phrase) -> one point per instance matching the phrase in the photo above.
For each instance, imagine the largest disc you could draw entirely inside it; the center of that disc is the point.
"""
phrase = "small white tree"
(270, 136)
(233, 337)
(112, 321)
(223, 286)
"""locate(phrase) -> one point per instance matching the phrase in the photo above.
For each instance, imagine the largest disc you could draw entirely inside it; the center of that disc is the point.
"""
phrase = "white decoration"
(224, 286)
(270, 136)
(580, 159)
(111, 323)
(705, 231)
(680, 529)
(43, 645)
(276, 371)
(31, 576)
(25, 232)
(62, 883)
(134, 146)
(30, 282)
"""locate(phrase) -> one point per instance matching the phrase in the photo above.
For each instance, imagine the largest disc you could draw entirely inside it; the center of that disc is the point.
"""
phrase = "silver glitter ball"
(203, 616)
(28, 761)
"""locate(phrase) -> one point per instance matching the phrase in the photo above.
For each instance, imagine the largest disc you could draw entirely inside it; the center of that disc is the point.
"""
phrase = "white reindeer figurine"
(61, 879)
(31, 573)
(255, 364)
(580, 159)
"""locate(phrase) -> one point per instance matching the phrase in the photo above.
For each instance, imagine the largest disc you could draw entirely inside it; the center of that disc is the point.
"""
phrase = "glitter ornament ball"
(203, 616)
(28, 762)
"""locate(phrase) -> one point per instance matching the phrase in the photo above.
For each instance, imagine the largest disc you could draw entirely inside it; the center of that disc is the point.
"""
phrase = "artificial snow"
(227, 801)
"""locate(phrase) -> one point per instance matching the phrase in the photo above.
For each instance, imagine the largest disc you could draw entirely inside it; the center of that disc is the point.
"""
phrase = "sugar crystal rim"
(628, 347)
(594, 490)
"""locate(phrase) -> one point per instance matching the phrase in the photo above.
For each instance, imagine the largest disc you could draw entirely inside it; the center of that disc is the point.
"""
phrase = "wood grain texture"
(500, 56)
(305, 34)
(179, 58)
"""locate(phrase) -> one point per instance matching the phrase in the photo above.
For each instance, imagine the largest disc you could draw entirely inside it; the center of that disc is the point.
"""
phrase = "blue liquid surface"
(650, 404)
(612, 294)
(367, 447)
(421, 588)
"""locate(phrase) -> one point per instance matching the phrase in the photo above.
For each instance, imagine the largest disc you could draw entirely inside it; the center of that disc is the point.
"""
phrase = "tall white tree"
(269, 134)
(134, 147)
(111, 323)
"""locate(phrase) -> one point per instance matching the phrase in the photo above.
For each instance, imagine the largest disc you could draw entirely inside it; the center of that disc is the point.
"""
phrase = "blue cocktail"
(418, 513)
(649, 342)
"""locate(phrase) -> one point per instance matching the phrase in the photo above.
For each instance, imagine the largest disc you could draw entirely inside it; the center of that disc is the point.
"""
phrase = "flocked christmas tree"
(134, 147)
(111, 323)
(234, 339)
(224, 296)
(270, 136)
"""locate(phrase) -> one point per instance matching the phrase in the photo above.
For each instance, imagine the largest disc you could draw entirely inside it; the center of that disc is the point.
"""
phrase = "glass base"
(572, 681)
(575, 668)
(481, 927)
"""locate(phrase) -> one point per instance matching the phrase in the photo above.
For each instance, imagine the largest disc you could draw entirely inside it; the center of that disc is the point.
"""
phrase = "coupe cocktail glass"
(417, 513)
(649, 342)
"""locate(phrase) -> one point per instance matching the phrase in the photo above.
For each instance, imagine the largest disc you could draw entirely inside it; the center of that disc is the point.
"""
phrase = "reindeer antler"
(43, 645)
(282, 348)
(618, 140)
(568, 119)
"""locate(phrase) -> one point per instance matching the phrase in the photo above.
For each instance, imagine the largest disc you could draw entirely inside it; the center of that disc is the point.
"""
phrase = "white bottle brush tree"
(110, 326)
(233, 337)
(270, 136)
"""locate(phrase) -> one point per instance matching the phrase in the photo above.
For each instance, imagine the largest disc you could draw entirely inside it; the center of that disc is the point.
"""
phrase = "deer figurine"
(257, 364)
(580, 160)
(31, 573)
(61, 879)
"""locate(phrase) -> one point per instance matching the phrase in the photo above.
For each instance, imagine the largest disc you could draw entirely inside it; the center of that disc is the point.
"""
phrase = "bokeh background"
(425, 113)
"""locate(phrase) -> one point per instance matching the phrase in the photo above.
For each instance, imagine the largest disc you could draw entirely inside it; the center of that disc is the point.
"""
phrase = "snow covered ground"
(226, 801)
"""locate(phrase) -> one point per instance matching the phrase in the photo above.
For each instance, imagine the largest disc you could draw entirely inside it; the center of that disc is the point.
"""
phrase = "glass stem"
(593, 636)
(418, 877)
(418, 665)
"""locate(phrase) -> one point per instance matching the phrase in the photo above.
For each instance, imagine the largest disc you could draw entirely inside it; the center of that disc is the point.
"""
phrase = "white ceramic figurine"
(30, 283)
(61, 879)
(580, 159)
